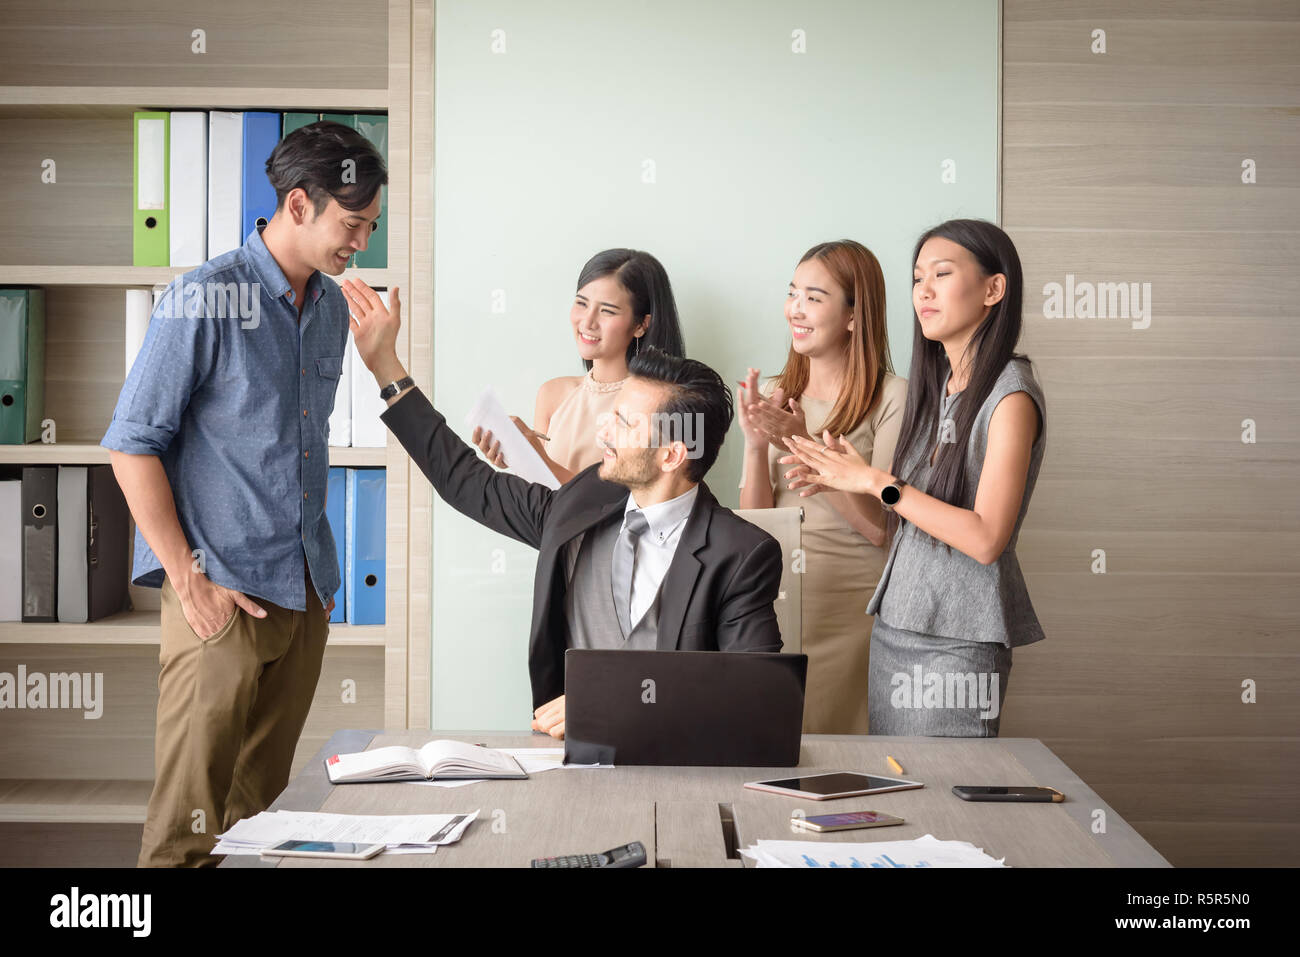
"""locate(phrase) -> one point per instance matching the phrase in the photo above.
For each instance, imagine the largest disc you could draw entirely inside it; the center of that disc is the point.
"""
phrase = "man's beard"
(632, 468)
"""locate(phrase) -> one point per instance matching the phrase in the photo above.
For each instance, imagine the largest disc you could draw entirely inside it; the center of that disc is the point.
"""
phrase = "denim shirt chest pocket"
(329, 369)
(330, 366)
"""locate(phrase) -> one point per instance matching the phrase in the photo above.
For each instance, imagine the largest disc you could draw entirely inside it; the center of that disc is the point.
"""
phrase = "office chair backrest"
(786, 526)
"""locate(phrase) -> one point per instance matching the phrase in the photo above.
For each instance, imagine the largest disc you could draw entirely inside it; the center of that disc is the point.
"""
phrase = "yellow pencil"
(898, 768)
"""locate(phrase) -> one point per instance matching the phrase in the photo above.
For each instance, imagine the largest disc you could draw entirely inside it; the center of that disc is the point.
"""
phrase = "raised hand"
(374, 326)
(747, 394)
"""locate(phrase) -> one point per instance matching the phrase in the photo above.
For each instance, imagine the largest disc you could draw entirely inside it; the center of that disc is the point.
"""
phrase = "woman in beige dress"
(623, 304)
(837, 385)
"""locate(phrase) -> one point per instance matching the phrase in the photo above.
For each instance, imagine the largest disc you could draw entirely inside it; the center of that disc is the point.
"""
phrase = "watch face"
(890, 494)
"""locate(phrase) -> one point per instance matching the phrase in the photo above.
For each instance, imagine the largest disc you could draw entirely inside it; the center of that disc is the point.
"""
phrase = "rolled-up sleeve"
(173, 361)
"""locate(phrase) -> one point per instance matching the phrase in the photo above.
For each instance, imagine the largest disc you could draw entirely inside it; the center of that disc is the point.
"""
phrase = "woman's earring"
(638, 346)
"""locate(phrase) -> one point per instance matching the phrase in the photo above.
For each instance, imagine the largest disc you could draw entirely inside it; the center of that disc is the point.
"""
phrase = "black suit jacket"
(716, 596)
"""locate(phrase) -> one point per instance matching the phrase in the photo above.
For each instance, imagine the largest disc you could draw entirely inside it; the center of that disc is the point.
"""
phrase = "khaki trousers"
(230, 712)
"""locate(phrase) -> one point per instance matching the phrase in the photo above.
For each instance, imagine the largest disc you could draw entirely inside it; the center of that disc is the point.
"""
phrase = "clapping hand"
(835, 465)
(765, 419)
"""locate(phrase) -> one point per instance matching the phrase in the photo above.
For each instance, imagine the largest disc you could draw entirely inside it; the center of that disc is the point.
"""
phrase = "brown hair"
(855, 268)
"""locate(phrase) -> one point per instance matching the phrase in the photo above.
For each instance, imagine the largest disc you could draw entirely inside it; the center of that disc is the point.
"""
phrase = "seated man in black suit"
(635, 552)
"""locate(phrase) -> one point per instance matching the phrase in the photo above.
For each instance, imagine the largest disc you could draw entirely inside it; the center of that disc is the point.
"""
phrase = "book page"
(457, 757)
(394, 760)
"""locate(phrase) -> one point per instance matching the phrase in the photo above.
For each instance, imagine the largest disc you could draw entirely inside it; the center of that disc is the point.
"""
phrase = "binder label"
(152, 185)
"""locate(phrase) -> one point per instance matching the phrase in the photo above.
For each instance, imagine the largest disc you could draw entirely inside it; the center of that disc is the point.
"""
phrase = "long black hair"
(991, 347)
(646, 281)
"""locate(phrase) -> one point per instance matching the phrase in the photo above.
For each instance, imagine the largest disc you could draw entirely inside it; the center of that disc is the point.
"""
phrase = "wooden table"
(697, 817)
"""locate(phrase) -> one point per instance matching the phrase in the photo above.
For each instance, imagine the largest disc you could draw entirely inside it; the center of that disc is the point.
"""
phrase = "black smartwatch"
(891, 493)
(390, 390)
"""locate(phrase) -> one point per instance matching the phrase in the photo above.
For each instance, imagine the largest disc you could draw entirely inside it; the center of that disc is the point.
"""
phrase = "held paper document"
(490, 415)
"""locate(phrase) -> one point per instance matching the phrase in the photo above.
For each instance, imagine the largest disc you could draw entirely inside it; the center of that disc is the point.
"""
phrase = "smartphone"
(1014, 793)
(336, 850)
(849, 821)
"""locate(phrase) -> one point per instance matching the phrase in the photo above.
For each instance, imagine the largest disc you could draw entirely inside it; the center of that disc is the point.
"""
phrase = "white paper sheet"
(393, 830)
(490, 415)
(927, 851)
(225, 848)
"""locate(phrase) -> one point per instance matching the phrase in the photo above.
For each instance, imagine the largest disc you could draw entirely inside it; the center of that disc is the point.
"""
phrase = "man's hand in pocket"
(209, 606)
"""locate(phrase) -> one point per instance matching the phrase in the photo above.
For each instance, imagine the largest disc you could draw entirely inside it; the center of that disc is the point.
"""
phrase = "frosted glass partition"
(725, 138)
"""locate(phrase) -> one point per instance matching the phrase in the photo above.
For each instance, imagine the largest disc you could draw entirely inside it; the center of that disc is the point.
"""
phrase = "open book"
(436, 761)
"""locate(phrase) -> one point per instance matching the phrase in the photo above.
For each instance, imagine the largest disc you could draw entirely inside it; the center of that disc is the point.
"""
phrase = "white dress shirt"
(656, 547)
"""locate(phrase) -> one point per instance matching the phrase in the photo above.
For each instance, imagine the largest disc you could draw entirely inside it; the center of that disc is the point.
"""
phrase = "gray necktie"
(634, 524)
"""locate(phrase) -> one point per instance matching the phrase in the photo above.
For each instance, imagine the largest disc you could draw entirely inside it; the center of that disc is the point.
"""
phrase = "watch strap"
(390, 390)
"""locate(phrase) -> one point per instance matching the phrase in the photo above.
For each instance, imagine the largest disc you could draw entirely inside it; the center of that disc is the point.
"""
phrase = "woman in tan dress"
(838, 379)
(623, 304)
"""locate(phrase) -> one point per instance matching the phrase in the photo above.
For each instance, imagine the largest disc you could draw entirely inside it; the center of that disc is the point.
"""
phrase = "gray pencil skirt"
(927, 685)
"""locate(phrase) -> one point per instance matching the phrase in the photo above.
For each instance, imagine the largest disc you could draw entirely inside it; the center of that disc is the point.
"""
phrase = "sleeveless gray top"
(925, 589)
(589, 601)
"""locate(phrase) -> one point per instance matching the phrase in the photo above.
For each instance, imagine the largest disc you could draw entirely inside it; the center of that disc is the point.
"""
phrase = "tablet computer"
(833, 784)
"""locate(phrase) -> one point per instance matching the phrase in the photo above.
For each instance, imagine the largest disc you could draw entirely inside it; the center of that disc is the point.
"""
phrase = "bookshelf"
(117, 101)
(89, 453)
(67, 93)
(140, 627)
(132, 275)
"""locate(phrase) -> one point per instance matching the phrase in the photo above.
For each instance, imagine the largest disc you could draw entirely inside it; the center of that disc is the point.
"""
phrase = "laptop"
(716, 708)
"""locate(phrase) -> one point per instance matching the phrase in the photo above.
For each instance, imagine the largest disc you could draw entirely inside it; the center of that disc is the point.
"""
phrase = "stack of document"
(927, 851)
(401, 833)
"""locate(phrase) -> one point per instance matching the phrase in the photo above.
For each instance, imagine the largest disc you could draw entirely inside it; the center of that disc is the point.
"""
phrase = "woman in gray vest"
(951, 602)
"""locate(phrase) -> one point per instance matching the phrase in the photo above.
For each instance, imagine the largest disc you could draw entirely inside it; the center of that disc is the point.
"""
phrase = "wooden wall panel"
(248, 43)
(1127, 167)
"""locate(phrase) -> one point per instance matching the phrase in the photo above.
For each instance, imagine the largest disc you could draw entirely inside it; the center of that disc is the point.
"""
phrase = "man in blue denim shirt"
(220, 444)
